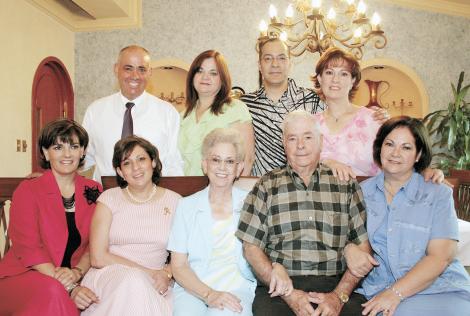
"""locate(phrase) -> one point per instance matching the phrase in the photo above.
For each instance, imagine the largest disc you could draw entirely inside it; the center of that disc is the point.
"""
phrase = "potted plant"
(450, 130)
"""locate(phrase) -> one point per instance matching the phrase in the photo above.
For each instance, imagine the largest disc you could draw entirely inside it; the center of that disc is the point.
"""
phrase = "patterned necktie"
(128, 124)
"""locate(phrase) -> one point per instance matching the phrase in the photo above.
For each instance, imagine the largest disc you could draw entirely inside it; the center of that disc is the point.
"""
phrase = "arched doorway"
(52, 97)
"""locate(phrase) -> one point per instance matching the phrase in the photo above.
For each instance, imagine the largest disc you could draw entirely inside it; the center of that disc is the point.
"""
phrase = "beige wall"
(27, 36)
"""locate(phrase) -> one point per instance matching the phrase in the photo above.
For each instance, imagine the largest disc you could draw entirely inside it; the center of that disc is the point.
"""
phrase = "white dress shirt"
(155, 120)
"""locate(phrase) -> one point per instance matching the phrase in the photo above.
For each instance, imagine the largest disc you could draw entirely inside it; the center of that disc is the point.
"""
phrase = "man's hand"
(359, 262)
(340, 170)
(83, 297)
(299, 303)
(280, 283)
(380, 114)
(329, 303)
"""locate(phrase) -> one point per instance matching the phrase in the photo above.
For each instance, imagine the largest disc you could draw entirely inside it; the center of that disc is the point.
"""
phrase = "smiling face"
(221, 165)
(336, 81)
(137, 168)
(207, 80)
(64, 158)
(274, 63)
(398, 153)
(302, 144)
(133, 71)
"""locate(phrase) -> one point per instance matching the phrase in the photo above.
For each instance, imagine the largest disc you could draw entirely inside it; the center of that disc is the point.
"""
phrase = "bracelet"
(79, 270)
(71, 287)
(206, 295)
(397, 293)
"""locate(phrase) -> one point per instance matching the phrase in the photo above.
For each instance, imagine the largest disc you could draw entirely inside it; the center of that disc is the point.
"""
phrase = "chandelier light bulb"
(272, 11)
(361, 7)
(263, 26)
(290, 11)
(316, 4)
(375, 19)
(350, 2)
(283, 36)
(358, 33)
(331, 14)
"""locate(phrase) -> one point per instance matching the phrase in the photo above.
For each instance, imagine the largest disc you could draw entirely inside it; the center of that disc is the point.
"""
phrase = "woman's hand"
(66, 276)
(161, 281)
(280, 283)
(359, 262)
(221, 300)
(386, 302)
(340, 170)
(83, 297)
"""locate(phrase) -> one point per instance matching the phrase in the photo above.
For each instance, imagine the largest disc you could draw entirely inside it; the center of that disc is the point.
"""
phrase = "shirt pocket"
(413, 243)
(335, 229)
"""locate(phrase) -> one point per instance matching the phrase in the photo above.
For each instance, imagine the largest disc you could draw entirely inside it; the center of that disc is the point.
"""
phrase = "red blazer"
(38, 226)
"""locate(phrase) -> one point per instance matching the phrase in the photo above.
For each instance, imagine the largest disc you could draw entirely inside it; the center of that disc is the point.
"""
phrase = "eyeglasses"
(215, 161)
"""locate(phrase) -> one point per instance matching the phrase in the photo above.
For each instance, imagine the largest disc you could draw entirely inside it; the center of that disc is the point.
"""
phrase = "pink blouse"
(353, 144)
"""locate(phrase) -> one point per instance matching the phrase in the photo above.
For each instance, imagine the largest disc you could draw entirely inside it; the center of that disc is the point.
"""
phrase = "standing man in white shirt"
(132, 111)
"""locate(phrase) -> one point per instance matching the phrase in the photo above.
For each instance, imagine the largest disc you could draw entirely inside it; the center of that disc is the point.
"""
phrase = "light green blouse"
(192, 133)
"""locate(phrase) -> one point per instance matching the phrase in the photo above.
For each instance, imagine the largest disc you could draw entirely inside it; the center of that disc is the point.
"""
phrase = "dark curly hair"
(124, 148)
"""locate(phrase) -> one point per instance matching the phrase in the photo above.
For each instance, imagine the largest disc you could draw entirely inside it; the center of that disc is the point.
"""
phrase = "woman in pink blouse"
(348, 130)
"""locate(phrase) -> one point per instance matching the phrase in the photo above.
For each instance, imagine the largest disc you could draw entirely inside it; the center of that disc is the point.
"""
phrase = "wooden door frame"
(66, 96)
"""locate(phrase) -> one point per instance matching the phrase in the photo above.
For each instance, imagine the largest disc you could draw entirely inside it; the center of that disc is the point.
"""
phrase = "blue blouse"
(399, 233)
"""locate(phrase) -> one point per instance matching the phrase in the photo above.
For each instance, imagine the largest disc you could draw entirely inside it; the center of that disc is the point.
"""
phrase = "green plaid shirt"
(304, 228)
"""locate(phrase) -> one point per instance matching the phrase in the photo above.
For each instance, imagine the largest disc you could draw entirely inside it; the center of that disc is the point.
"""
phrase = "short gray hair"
(224, 135)
(292, 116)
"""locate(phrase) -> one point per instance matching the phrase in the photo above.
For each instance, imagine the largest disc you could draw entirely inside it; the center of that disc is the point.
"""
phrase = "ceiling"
(93, 15)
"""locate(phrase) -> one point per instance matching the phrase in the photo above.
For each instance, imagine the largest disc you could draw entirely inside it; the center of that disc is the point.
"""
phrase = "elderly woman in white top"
(207, 262)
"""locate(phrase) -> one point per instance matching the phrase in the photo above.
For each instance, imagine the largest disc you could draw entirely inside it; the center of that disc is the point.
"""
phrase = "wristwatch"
(343, 297)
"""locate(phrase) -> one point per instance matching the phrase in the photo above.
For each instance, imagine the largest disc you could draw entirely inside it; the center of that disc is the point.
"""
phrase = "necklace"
(69, 203)
(134, 199)
(387, 190)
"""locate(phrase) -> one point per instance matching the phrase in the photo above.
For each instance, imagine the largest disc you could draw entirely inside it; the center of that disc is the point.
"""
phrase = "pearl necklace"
(134, 199)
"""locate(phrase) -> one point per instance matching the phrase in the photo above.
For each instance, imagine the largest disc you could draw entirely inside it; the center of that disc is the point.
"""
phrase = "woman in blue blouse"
(412, 227)
(207, 262)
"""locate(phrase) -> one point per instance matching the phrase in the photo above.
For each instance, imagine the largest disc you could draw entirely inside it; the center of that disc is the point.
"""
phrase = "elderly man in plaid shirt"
(295, 224)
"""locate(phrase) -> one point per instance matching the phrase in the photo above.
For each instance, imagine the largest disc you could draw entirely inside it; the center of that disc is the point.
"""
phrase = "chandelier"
(345, 26)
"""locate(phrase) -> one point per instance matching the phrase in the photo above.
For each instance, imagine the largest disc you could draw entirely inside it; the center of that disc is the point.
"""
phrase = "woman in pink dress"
(348, 130)
(129, 235)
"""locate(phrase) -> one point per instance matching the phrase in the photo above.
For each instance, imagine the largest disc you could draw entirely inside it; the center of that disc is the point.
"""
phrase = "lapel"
(81, 206)
(53, 223)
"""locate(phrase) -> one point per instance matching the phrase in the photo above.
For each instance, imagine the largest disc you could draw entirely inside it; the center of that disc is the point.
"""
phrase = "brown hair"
(124, 148)
(60, 130)
(223, 96)
(336, 56)
(419, 132)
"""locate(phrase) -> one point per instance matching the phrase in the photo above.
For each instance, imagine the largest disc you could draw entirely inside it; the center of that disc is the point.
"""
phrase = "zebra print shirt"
(267, 117)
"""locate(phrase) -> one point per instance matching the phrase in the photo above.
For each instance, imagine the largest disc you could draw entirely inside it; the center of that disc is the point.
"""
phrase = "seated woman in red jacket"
(49, 224)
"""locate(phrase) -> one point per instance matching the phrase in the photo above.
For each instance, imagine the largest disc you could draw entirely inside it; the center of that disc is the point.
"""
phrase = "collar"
(291, 88)
(297, 180)
(136, 101)
(410, 188)
(203, 205)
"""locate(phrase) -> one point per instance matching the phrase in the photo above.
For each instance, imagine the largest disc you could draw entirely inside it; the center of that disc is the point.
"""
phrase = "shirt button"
(310, 218)
(390, 229)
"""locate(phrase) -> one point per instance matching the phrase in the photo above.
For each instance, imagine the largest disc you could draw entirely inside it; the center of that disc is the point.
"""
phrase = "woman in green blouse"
(210, 106)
